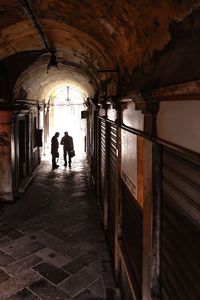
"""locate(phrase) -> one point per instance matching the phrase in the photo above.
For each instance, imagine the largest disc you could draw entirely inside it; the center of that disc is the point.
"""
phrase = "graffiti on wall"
(4, 141)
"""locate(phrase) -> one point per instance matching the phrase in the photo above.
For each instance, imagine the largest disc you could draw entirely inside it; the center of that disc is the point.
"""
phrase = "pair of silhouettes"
(68, 147)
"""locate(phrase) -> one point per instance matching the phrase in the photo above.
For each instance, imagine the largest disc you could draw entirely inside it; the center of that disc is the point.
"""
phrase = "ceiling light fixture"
(53, 64)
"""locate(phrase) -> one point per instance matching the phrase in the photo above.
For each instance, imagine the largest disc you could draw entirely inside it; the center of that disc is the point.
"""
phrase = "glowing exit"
(66, 104)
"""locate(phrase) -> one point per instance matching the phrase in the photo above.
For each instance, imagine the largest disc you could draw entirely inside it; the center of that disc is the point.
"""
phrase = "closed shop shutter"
(180, 239)
(102, 163)
(132, 237)
(112, 182)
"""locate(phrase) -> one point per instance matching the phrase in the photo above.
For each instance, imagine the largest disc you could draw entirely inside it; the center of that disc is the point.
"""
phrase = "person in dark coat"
(68, 146)
(54, 150)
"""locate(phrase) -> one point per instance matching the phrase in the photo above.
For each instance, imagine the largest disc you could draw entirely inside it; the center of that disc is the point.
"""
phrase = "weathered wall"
(152, 43)
(5, 157)
(179, 123)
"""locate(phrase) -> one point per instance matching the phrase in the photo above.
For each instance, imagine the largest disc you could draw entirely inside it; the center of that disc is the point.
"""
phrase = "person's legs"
(54, 162)
(65, 157)
(69, 158)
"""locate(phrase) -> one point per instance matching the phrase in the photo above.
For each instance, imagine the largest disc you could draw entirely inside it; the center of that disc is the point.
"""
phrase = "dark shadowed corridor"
(118, 82)
(52, 244)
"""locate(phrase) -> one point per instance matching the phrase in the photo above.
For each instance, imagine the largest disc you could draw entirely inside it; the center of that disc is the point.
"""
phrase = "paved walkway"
(52, 245)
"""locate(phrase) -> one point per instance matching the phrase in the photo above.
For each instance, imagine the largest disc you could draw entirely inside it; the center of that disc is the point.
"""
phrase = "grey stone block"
(79, 281)
(6, 259)
(23, 264)
(87, 295)
(47, 291)
(23, 295)
(98, 288)
(53, 274)
(3, 275)
(53, 257)
(17, 283)
(80, 262)
(28, 249)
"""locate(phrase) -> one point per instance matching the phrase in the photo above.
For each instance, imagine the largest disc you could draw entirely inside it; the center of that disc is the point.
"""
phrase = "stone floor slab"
(47, 291)
(53, 257)
(3, 276)
(6, 259)
(98, 288)
(79, 281)
(10, 231)
(87, 295)
(17, 283)
(23, 295)
(23, 265)
(53, 274)
(81, 262)
(52, 243)
(28, 249)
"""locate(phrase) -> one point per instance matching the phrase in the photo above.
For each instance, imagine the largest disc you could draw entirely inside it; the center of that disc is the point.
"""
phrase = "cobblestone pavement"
(52, 245)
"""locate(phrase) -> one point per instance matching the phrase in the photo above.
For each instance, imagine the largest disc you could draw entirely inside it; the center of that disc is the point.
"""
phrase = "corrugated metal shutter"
(180, 243)
(112, 182)
(102, 159)
(132, 237)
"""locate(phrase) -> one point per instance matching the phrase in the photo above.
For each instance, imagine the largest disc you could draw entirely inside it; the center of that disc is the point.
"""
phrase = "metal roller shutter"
(180, 242)
(132, 237)
(112, 182)
(102, 161)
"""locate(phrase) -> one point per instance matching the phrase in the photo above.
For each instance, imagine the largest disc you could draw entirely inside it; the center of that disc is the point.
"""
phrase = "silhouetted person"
(54, 150)
(68, 146)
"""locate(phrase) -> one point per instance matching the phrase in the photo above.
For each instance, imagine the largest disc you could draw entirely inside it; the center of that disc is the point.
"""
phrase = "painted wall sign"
(6, 193)
(129, 160)
(179, 123)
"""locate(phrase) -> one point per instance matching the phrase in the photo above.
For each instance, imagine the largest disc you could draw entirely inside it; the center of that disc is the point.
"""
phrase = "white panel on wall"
(102, 112)
(179, 123)
(6, 193)
(133, 118)
(112, 114)
(129, 160)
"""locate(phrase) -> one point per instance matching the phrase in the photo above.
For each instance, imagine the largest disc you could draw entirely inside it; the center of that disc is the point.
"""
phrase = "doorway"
(66, 104)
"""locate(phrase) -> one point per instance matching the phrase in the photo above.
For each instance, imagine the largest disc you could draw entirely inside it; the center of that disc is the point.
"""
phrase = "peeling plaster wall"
(5, 157)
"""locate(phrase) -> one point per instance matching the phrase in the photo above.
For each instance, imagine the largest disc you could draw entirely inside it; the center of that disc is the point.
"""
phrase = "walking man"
(68, 146)
(54, 150)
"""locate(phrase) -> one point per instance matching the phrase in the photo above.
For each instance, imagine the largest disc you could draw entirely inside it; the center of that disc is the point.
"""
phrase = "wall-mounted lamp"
(53, 64)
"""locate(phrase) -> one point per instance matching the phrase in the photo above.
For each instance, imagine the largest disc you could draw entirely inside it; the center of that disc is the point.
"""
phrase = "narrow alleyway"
(52, 245)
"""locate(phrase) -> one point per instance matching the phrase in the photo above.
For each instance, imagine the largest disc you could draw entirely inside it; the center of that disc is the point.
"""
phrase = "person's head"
(66, 133)
(57, 134)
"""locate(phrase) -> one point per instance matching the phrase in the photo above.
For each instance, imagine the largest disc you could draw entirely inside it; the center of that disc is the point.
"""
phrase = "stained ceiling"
(88, 36)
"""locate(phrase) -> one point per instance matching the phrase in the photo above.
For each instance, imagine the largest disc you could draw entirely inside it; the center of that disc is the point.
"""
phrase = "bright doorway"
(66, 104)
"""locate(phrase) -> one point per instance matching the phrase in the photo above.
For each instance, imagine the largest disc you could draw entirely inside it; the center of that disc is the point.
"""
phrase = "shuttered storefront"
(180, 242)
(131, 238)
(112, 182)
(102, 163)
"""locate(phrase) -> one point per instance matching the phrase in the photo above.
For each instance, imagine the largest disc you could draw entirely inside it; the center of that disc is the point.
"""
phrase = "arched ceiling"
(39, 84)
(88, 35)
